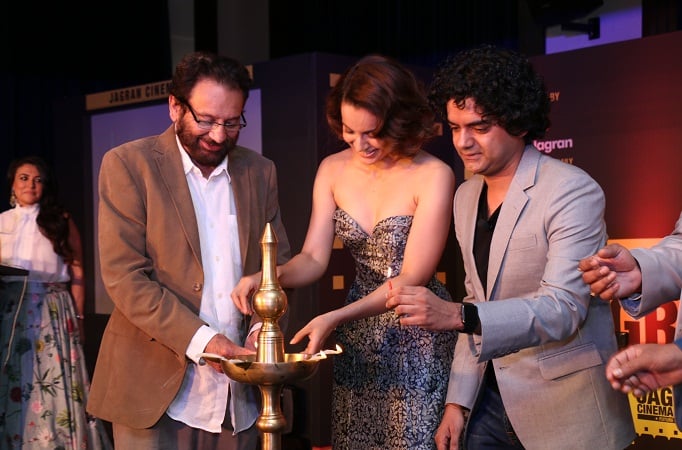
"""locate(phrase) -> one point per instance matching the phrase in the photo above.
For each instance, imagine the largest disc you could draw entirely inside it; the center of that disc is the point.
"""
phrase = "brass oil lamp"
(270, 368)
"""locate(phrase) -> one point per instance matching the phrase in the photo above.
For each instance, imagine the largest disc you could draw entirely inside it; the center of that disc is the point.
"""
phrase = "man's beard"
(201, 157)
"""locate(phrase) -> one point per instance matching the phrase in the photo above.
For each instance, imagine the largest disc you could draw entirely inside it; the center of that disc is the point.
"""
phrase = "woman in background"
(390, 202)
(44, 380)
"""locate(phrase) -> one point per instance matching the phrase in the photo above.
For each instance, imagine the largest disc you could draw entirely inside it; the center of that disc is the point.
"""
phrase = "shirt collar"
(28, 210)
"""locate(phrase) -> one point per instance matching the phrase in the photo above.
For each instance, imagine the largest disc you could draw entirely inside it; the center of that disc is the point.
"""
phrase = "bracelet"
(80, 316)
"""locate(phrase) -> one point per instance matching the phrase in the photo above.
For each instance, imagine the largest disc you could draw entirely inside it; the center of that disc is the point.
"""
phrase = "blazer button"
(196, 287)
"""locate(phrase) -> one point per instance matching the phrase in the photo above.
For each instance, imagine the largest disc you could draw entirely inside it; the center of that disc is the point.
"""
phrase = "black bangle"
(469, 317)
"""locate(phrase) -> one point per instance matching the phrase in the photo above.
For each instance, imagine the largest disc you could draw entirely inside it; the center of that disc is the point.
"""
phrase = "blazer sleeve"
(661, 267)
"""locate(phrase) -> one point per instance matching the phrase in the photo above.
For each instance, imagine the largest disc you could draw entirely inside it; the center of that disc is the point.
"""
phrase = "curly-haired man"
(529, 366)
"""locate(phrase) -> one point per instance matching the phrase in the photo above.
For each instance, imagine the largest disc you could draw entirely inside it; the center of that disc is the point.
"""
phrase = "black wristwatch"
(469, 317)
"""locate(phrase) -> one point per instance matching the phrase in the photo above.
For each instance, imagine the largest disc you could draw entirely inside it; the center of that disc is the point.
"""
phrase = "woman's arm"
(77, 274)
(310, 264)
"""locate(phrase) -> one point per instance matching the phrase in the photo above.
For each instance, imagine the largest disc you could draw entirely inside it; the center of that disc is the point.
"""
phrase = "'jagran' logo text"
(550, 146)
(656, 406)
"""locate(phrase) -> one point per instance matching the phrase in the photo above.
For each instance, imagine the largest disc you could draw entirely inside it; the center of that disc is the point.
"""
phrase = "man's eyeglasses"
(207, 125)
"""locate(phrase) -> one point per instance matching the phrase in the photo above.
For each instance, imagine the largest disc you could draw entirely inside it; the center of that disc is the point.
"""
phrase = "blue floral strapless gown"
(390, 381)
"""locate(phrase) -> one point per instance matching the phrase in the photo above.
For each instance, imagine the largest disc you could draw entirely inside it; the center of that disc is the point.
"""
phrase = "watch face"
(469, 317)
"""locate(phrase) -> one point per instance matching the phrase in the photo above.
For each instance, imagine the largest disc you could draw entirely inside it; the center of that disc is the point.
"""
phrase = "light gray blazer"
(661, 282)
(546, 337)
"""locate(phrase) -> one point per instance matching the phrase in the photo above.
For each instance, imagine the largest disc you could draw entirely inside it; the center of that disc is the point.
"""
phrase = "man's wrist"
(455, 406)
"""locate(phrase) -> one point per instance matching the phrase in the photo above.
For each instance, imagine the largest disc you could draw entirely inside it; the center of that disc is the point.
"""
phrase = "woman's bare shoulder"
(430, 163)
(335, 160)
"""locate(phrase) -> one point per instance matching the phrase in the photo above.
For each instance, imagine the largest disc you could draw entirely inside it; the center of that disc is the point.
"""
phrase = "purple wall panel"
(617, 113)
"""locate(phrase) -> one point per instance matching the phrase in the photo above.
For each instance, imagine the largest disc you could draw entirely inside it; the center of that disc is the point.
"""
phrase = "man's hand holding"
(419, 306)
(221, 345)
(612, 273)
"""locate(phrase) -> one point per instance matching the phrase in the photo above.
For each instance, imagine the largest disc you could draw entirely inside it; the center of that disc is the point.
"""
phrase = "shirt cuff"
(199, 341)
(631, 304)
(255, 327)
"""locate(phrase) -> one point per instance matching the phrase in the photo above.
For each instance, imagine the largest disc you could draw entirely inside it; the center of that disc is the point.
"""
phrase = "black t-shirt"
(485, 227)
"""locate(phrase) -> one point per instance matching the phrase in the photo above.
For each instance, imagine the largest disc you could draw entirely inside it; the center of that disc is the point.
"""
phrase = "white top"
(202, 399)
(23, 245)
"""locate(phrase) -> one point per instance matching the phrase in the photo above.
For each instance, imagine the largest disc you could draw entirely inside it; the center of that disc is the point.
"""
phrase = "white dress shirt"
(23, 245)
(203, 397)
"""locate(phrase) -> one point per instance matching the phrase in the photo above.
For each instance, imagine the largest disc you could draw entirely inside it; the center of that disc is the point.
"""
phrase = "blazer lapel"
(514, 202)
(240, 176)
(467, 222)
(173, 178)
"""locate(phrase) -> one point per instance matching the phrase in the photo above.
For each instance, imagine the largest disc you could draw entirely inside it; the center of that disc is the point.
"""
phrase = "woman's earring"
(12, 200)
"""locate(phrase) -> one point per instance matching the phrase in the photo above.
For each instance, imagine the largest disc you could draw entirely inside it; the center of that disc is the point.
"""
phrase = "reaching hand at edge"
(643, 368)
(612, 273)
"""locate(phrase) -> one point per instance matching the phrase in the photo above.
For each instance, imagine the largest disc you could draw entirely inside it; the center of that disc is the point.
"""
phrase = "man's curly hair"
(505, 87)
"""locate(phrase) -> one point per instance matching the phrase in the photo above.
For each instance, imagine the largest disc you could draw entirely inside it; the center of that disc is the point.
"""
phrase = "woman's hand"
(317, 330)
(243, 291)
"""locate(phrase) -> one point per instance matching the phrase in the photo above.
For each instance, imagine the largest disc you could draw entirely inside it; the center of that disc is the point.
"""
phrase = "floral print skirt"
(44, 380)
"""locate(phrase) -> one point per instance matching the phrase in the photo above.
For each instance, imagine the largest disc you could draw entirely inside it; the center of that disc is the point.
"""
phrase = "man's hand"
(221, 345)
(418, 305)
(450, 428)
(612, 273)
(643, 368)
